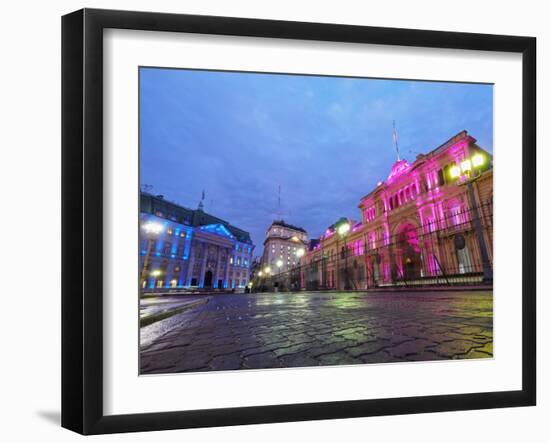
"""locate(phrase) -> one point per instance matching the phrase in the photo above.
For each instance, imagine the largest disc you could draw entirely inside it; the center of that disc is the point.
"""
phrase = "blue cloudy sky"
(326, 141)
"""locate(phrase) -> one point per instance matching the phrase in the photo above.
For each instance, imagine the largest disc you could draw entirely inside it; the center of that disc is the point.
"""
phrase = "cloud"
(326, 141)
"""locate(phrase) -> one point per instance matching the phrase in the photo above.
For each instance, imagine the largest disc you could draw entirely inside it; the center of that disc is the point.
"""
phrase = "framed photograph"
(269, 221)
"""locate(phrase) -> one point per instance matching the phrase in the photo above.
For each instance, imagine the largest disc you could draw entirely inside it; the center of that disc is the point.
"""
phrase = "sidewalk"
(153, 309)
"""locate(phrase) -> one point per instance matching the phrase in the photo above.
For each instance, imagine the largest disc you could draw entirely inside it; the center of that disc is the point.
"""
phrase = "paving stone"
(259, 331)
(367, 348)
(262, 360)
(338, 358)
(226, 362)
(455, 348)
(411, 347)
(378, 357)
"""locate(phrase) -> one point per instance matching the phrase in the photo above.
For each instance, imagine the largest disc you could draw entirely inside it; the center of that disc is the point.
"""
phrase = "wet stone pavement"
(255, 331)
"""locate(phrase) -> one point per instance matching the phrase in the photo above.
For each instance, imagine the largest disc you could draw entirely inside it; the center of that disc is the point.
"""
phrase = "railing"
(446, 253)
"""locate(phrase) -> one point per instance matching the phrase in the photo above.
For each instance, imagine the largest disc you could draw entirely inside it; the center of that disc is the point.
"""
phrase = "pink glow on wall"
(371, 240)
(399, 167)
(441, 215)
(370, 213)
(386, 234)
(386, 270)
(356, 226)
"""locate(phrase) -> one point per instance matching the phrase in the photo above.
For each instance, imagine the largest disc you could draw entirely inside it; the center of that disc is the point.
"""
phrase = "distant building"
(283, 245)
(182, 248)
(429, 222)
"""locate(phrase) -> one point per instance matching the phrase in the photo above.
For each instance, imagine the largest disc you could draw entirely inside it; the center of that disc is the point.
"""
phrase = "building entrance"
(208, 279)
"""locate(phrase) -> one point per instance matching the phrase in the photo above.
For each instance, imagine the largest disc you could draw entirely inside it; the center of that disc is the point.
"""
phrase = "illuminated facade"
(429, 222)
(283, 246)
(183, 248)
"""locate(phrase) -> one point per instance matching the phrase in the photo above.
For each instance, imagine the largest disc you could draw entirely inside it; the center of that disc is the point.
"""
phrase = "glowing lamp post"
(468, 172)
(152, 230)
(279, 264)
(299, 254)
(454, 172)
(343, 229)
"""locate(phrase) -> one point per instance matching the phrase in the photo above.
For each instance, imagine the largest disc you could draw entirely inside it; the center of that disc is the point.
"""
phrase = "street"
(275, 330)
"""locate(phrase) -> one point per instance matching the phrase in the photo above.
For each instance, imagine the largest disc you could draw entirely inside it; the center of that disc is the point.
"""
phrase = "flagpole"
(395, 141)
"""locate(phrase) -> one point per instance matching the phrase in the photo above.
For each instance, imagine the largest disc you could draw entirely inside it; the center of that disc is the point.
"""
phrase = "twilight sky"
(326, 141)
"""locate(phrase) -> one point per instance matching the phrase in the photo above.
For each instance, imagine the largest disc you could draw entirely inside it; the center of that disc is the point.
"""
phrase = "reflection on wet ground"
(254, 331)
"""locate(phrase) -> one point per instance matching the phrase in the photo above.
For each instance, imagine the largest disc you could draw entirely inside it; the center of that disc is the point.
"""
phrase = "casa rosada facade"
(429, 222)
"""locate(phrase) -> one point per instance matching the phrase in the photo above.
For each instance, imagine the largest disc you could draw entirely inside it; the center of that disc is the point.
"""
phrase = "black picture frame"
(82, 218)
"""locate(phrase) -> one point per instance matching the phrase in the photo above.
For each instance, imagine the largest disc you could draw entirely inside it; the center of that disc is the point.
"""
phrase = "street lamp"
(454, 172)
(300, 252)
(478, 160)
(279, 264)
(342, 228)
(156, 273)
(475, 163)
(151, 229)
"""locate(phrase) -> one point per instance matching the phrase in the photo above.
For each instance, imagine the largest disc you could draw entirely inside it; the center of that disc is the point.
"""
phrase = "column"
(216, 269)
(190, 264)
(203, 264)
(226, 280)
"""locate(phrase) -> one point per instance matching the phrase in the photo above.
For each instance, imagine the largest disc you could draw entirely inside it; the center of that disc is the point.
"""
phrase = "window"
(169, 231)
(464, 261)
(441, 177)
(456, 214)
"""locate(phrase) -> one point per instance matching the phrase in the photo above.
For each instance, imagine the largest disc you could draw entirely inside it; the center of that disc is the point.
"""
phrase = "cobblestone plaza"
(282, 330)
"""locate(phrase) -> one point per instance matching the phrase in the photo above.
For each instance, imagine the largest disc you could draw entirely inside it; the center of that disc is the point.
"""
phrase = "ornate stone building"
(182, 248)
(429, 222)
(283, 245)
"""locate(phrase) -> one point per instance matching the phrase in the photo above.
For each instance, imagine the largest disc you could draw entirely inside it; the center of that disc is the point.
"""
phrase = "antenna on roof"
(201, 203)
(395, 141)
(279, 203)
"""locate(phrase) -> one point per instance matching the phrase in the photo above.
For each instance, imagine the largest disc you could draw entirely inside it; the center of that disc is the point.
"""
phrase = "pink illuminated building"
(428, 222)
